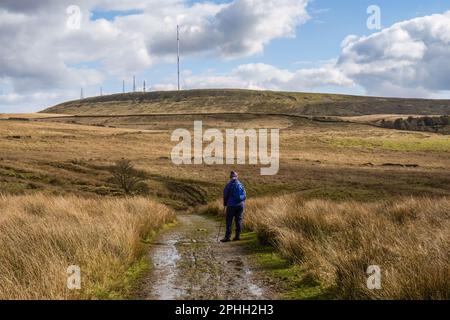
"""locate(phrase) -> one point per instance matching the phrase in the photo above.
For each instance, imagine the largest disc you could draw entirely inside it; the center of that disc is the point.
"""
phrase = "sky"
(50, 49)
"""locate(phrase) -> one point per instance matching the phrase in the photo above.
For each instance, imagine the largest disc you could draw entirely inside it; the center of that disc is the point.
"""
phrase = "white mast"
(178, 55)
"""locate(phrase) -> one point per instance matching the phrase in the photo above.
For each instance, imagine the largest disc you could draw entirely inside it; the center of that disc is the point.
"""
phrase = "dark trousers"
(237, 214)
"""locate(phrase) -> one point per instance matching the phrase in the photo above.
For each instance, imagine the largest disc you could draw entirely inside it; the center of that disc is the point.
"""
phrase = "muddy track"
(188, 263)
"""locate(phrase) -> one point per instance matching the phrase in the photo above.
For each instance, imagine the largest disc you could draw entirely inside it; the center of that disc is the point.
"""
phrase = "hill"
(241, 101)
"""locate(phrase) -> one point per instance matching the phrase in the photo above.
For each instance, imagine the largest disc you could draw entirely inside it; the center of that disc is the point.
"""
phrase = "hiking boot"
(225, 240)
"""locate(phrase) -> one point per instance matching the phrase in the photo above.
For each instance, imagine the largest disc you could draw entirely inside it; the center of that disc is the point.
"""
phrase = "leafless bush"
(127, 177)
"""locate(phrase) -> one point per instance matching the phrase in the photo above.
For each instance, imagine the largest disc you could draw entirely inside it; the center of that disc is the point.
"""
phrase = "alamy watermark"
(74, 16)
(374, 20)
(229, 149)
(74, 277)
(374, 279)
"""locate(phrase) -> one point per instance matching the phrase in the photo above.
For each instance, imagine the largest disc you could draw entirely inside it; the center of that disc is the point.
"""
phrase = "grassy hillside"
(216, 101)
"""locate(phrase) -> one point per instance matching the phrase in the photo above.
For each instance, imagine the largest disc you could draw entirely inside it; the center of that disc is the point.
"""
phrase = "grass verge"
(289, 280)
(41, 236)
(337, 242)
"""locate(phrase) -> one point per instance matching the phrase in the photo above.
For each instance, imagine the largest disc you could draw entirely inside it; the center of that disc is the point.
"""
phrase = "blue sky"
(266, 44)
(316, 41)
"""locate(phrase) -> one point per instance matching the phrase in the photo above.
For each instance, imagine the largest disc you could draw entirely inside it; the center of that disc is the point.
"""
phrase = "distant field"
(226, 100)
(321, 160)
(409, 143)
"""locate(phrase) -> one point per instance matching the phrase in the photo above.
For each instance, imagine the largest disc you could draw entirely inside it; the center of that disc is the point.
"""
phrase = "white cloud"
(42, 59)
(264, 76)
(39, 52)
(410, 58)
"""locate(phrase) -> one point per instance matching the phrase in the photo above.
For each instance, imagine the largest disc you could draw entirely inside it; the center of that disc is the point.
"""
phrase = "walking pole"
(220, 226)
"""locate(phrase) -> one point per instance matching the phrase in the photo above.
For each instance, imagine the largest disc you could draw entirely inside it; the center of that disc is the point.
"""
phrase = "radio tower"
(123, 86)
(178, 55)
(81, 94)
(144, 85)
(134, 83)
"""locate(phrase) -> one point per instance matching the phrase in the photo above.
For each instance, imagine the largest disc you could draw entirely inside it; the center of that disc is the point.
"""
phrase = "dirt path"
(188, 263)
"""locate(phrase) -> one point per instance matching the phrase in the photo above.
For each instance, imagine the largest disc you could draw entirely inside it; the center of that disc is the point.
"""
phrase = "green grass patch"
(259, 189)
(293, 282)
(125, 286)
(150, 237)
(12, 187)
(344, 194)
(406, 143)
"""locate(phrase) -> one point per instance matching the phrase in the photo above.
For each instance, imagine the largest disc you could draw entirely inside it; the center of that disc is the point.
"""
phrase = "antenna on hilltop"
(101, 91)
(81, 94)
(144, 85)
(178, 55)
(134, 83)
(123, 86)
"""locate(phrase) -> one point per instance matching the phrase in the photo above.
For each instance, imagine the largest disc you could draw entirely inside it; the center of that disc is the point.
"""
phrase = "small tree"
(126, 176)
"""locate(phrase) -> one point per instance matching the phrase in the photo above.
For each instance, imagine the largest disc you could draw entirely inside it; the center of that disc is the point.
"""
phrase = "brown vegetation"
(41, 236)
(335, 242)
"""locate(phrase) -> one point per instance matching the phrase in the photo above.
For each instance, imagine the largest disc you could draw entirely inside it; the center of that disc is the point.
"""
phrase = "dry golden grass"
(336, 242)
(29, 115)
(40, 236)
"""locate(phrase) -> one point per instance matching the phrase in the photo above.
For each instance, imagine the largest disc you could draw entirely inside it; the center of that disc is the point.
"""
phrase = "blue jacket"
(228, 200)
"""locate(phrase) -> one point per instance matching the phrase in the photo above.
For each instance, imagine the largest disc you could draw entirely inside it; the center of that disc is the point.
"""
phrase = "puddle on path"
(189, 263)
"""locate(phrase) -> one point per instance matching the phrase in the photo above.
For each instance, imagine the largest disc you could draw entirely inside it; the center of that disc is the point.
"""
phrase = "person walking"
(234, 197)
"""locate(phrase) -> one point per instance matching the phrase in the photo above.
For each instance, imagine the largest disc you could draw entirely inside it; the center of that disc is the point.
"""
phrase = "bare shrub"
(127, 177)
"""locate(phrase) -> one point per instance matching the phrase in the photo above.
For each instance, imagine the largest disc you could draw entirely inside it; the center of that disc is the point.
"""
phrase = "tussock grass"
(336, 242)
(40, 236)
